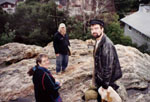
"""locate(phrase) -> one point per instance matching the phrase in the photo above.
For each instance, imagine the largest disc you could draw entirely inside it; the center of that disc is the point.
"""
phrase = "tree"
(35, 23)
(30, 1)
(125, 6)
(115, 33)
(5, 33)
(3, 20)
(75, 29)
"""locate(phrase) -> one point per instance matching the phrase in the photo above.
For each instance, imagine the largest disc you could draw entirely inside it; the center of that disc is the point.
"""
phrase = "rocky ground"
(17, 86)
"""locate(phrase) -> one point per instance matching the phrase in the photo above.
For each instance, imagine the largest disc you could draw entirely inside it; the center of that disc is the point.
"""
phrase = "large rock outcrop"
(17, 86)
(135, 66)
(14, 52)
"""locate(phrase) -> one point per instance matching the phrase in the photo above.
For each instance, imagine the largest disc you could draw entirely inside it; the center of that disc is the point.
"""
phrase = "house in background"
(137, 26)
(8, 5)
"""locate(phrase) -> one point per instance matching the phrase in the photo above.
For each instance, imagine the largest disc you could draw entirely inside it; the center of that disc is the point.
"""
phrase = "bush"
(4, 17)
(35, 22)
(115, 33)
(76, 29)
(144, 48)
(6, 39)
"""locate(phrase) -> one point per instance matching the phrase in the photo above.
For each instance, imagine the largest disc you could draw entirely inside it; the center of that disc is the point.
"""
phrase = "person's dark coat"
(61, 43)
(45, 87)
(107, 66)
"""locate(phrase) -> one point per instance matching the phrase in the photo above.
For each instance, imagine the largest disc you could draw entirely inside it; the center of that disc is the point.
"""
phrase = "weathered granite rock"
(16, 85)
(135, 67)
(14, 52)
(143, 98)
(14, 81)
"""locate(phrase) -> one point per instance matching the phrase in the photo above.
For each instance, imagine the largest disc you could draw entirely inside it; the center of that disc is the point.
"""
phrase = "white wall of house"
(136, 36)
(9, 8)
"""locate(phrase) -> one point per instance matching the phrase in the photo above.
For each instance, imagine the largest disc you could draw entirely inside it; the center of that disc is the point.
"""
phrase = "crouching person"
(45, 87)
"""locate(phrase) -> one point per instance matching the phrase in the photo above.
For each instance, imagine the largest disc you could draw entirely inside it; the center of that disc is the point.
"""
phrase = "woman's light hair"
(60, 26)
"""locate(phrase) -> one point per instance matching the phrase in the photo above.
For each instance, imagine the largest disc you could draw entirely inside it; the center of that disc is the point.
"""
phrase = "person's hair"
(38, 60)
(60, 26)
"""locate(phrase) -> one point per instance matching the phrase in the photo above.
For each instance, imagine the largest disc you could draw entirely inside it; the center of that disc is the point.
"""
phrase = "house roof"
(9, 1)
(139, 21)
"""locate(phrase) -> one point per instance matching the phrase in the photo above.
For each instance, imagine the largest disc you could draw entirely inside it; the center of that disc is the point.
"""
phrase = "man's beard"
(97, 36)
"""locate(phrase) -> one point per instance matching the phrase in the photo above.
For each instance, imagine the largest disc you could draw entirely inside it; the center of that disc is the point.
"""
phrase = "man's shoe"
(58, 73)
(63, 72)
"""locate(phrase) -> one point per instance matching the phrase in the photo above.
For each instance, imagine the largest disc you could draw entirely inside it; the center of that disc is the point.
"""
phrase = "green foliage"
(35, 23)
(144, 48)
(6, 39)
(115, 33)
(76, 29)
(5, 34)
(31, 1)
(3, 20)
(125, 6)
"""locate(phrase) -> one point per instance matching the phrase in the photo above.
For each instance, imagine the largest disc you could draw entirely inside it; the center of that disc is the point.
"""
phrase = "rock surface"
(17, 86)
(14, 52)
(135, 66)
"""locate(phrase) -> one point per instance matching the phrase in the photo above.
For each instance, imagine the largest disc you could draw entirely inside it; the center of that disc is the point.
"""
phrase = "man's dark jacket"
(107, 66)
(61, 44)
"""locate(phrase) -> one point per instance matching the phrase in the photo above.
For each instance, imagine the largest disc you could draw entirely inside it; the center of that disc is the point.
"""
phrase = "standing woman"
(45, 87)
(61, 43)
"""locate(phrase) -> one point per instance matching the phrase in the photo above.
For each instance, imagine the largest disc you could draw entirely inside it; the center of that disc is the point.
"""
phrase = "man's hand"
(103, 93)
(57, 54)
(58, 82)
